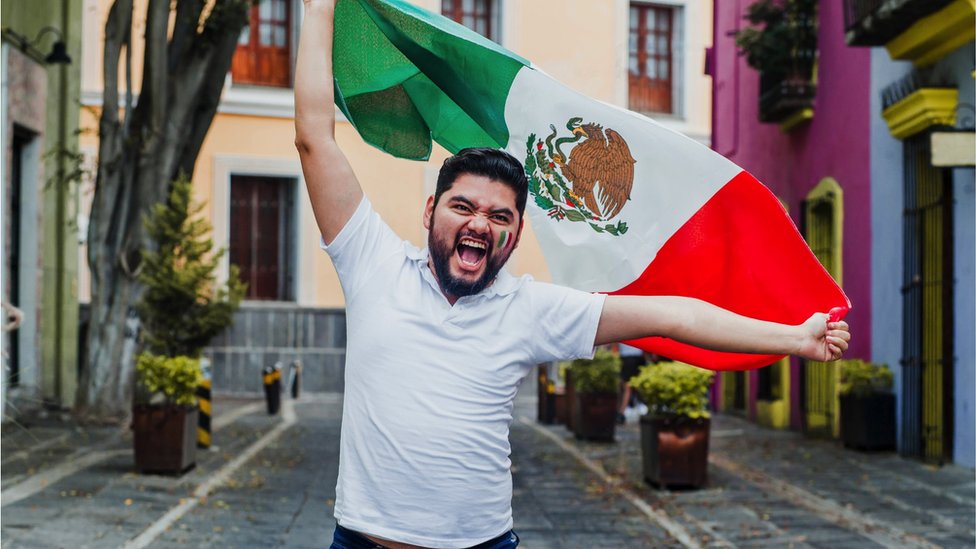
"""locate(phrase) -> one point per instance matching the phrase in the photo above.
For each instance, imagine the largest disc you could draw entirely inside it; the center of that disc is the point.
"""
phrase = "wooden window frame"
(487, 11)
(646, 94)
(255, 64)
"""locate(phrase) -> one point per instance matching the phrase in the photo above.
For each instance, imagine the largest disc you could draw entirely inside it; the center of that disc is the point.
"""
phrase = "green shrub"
(781, 37)
(183, 307)
(674, 389)
(599, 375)
(861, 378)
(168, 380)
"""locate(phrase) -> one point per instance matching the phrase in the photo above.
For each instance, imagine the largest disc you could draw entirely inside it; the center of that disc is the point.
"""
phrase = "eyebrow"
(465, 201)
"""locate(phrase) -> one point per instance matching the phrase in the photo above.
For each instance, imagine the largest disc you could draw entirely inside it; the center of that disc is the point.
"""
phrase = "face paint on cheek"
(505, 240)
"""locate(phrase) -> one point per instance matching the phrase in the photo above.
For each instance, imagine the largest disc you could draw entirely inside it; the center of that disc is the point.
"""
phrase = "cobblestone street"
(271, 482)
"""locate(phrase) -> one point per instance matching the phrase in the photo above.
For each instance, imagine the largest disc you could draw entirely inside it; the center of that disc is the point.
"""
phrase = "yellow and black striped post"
(271, 376)
(206, 409)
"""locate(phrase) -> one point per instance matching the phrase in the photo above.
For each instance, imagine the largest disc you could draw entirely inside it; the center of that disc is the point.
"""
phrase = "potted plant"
(181, 310)
(867, 405)
(781, 43)
(595, 384)
(675, 430)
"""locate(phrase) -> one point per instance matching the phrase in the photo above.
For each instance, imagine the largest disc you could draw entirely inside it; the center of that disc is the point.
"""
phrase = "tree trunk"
(139, 157)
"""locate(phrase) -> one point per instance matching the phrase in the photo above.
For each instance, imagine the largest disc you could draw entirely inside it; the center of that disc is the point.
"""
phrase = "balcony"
(787, 101)
(918, 101)
(877, 22)
(920, 31)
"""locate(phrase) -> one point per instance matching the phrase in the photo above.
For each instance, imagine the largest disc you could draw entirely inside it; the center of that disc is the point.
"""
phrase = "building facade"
(849, 154)
(923, 209)
(645, 55)
(41, 49)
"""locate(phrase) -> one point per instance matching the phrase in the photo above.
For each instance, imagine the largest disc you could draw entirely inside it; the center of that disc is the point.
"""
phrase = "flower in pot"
(675, 430)
(595, 384)
(180, 311)
(867, 405)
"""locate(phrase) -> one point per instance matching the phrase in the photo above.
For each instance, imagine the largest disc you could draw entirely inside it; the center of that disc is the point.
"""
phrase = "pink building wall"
(835, 143)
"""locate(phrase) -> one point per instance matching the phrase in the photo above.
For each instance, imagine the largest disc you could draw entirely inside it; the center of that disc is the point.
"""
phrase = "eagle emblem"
(592, 184)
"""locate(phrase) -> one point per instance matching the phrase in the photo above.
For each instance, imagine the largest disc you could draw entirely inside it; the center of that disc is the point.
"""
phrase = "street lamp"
(59, 51)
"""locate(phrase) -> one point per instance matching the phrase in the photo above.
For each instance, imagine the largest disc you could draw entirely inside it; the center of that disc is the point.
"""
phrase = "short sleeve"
(567, 320)
(363, 243)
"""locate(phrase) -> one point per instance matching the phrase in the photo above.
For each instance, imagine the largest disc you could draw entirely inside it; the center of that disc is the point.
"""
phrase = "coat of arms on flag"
(591, 184)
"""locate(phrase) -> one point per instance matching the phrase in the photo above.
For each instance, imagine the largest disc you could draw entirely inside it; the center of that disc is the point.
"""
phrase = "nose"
(479, 224)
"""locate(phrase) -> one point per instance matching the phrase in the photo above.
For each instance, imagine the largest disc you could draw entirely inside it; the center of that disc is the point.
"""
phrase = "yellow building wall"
(580, 42)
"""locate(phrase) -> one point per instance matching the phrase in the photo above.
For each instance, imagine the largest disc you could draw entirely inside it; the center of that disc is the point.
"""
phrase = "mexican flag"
(620, 204)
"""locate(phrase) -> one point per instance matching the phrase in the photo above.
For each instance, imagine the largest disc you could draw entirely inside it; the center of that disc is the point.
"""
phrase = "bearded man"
(439, 339)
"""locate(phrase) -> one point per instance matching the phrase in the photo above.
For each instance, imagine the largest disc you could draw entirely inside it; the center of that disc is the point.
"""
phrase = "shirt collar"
(503, 285)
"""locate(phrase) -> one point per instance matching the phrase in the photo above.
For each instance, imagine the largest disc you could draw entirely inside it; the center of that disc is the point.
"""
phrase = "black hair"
(495, 164)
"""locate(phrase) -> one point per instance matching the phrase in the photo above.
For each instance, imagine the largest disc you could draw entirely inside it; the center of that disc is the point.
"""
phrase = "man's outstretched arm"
(704, 325)
(332, 186)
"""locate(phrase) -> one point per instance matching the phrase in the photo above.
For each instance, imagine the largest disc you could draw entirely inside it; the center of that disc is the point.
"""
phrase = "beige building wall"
(580, 42)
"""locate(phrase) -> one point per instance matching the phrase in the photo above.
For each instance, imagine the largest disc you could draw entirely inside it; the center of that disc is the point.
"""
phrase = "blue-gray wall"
(887, 243)
(961, 63)
(263, 334)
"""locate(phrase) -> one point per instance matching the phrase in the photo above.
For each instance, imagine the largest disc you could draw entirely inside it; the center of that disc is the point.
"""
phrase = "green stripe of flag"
(404, 76)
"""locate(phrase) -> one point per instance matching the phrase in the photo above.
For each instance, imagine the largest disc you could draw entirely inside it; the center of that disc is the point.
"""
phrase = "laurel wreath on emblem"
(592, 185)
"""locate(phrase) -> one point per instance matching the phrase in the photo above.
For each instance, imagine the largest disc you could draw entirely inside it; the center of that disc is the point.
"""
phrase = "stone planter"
(164, 438)
(596, 416)
(675, 451)
(868, 422)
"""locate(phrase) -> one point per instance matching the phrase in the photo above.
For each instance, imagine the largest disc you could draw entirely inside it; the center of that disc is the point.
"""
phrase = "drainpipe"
(60, 208)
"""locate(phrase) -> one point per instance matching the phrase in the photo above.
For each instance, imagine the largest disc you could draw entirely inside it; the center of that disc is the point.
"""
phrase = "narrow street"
(271, 483)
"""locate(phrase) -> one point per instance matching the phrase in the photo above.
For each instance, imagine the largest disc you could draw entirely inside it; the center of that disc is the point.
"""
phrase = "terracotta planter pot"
(675, 451)
(562, 406)
(596, 416)
(868, 422)
(165, 438)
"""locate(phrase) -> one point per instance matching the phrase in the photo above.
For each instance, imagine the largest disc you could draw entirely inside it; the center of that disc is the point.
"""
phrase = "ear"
(428, 211)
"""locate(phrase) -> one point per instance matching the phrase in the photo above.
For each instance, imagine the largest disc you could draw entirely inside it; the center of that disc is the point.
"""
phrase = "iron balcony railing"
(877, 22)
(911, 83)
(781, 96)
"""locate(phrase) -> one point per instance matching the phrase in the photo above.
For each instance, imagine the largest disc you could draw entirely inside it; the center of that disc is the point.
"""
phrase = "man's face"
(477, 227)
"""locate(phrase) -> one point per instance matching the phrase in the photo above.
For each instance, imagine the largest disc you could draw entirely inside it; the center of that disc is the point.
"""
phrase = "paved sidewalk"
(770, 488)
(271, 484)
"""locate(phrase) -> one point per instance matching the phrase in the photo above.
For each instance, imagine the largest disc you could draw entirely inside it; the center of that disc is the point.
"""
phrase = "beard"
(441, 254)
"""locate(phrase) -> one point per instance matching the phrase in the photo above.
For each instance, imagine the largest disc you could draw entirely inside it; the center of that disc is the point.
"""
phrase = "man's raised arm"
(704, 325)
(332, 186)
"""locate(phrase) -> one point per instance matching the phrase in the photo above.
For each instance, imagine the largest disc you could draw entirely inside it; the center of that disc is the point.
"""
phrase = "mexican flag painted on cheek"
(620, 204)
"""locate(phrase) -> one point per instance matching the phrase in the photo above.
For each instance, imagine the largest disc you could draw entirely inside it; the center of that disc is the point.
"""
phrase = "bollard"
(295, 378)
(272, 387)
(203, 397)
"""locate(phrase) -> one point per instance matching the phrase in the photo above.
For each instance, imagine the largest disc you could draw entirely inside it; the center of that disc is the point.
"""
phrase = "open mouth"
(471, 253)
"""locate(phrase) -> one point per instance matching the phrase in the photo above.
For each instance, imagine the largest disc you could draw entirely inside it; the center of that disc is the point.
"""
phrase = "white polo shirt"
(429, 388)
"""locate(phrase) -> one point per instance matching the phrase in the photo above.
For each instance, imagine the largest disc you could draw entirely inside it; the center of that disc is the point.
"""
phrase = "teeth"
(473, 243)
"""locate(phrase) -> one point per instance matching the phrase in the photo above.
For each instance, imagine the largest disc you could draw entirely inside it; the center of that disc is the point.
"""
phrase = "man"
(631, 359)
(439, 339)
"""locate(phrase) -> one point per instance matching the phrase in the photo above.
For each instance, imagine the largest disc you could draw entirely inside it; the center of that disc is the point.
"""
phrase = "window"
(651, 59)
(480, 16)
(263, 55)
(262, 233)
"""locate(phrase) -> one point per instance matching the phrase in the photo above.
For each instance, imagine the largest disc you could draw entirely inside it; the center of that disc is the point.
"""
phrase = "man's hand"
(823, 340)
